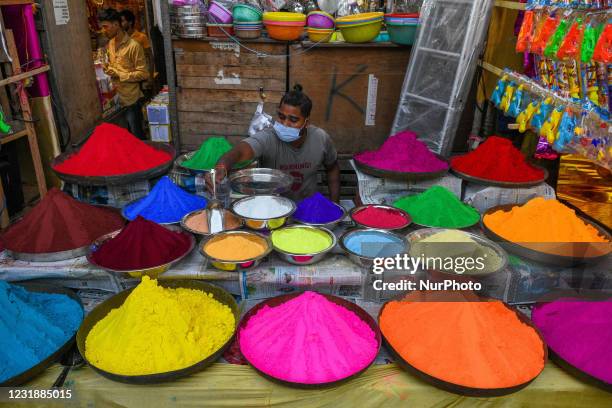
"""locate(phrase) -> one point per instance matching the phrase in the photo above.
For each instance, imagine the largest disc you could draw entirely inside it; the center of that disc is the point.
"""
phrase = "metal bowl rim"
(327, 231)
(183, 223)
(386, 232)
(220, 235)
(325, 224)
(389, 207)
(254, 197)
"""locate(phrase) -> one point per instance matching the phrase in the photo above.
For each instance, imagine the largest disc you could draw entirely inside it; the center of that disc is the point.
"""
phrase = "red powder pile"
(110, 151)
(498, 160)
(60, 223)
(377, 217)
(142, 244)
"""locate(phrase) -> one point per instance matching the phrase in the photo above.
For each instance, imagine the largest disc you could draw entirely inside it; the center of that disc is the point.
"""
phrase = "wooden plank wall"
(218, 87)
(336, 79)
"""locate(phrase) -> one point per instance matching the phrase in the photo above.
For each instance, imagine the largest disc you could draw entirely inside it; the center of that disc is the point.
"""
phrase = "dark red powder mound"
(497, 159)
(377, 217)
(60, 223)
(142, 244)
(112, 150)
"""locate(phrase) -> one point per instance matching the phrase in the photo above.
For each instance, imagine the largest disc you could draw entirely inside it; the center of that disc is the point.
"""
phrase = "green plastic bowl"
(401, 34)
(361, 33)
(244, 13)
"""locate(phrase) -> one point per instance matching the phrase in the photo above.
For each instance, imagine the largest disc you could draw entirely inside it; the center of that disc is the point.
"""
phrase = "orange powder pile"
(472, 344)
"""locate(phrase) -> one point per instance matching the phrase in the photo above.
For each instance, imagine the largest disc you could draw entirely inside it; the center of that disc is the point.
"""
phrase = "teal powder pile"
(32, 327)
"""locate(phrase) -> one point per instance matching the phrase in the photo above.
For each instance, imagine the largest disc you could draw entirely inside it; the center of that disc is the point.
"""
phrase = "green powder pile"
(209, 153)
(438, 207)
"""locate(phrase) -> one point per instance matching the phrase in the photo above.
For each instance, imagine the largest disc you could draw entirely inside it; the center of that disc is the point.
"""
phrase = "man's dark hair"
(129, 17)
(297, 98)
(109, 14)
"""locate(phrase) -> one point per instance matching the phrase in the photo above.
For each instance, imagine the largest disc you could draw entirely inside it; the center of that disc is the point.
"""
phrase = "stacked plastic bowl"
(247, 21)
(320, 26)
(284, 26)
(402, 27)
(360, 28)
(220, 20)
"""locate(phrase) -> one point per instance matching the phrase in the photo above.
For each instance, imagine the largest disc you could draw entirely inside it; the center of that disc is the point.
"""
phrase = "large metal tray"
(260, 181)
(40, 367)
(403, 176)
(537, 251)
(119, 179)
(503, 184)
(116, 301)
(278, 300)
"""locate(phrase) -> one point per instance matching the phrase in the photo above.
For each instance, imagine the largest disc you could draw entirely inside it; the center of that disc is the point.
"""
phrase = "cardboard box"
(158, 114)
(160, 133)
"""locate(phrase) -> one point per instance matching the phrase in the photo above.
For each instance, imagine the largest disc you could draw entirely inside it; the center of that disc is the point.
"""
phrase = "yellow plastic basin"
(361, 33)
(283, 16)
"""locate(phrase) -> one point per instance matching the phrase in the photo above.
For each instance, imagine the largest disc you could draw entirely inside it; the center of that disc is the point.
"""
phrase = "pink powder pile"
(309, 340)
(580, 332)
(405, 153)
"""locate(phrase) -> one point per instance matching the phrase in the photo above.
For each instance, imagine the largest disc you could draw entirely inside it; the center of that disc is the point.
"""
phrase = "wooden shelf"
(15, 2)
(13, 136)
(24, 75)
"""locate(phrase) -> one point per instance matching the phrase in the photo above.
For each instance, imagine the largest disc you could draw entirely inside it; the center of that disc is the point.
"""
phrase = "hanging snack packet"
(591, 35)
(570, 46)
(526, 33)
(603, 49)
(555, 41)
(499, 91)
(546, 31)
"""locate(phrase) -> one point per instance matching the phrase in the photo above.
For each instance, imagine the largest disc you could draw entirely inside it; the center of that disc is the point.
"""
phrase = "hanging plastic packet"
(566, 131)
(525, 116)
(562, 79)
(570, 46)
(526, 33)
(551, 125)
(589, 82)
(555, 40)
(505, 101)
(546, 30)
(260, 120)
(544, 150)
(573, 78)
(514, 108)
(592, 32)
(540, 116)
(602, 86)
(499, 91)
(603, 48)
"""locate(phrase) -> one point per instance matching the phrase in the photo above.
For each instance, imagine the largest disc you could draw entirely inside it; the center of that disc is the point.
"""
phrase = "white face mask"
(286, 133)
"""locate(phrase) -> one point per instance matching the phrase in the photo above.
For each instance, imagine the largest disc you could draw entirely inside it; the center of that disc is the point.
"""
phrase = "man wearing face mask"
(293, 146)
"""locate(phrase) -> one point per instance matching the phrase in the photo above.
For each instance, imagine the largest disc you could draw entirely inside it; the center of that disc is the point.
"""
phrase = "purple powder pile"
(580, 332)
(317, 209)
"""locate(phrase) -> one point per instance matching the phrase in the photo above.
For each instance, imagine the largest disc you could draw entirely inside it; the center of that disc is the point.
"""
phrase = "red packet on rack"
(526, 33)
(570, 47)
(546, 31)
(603, 49)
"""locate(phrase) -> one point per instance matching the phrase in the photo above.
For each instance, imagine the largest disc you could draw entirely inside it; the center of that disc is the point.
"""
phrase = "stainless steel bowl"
(264, 223)
(386, 207)
(365, 261)
(329, 225)
(260, 181)
(305, 259)
(240, 265)
(152, 272)
(208, 234)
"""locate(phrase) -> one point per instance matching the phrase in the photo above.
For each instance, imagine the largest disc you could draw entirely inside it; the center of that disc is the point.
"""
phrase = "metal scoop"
(214, 209)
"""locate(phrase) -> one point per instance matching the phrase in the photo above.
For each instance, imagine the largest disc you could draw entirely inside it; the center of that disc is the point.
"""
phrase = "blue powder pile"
(166, 203)
(317, 209)
(32, 327)
(374, 244)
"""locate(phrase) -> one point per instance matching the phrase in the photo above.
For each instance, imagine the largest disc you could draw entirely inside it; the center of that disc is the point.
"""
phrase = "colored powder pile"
(166, 203)
(309, 340)
(238, 247)
(142, 244)
(378, 217)
(60, 223)
(317, 209)
(32, 327)
(263, 207)
(110, 151)
(405, 153)
(373, 244)
(580, 332)
(208, 154)
(199, 222)
(157, 330)
(497, 159)
(455, 244)
(438, 207)
(542, 220)
(472, 344)
(302, 241)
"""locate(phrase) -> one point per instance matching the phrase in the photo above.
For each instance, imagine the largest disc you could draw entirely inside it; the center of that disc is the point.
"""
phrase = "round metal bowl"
(264, 223)
(261, 181)
(238, 265)
(116, 301)
(329, 225)
(305, 259)
(278, 300)
(152, 272)
(118, 179)
(365, 261)
(403, 213)
(415, 236)
(47, 362)
(456, 388)
(504, 184)
(228, 214)
(565, 254)
(186, 156)
(401, 175)
(48, 256)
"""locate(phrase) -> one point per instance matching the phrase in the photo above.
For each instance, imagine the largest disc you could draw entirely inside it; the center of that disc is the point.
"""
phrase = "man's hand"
(220, 173)
(110, 71)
